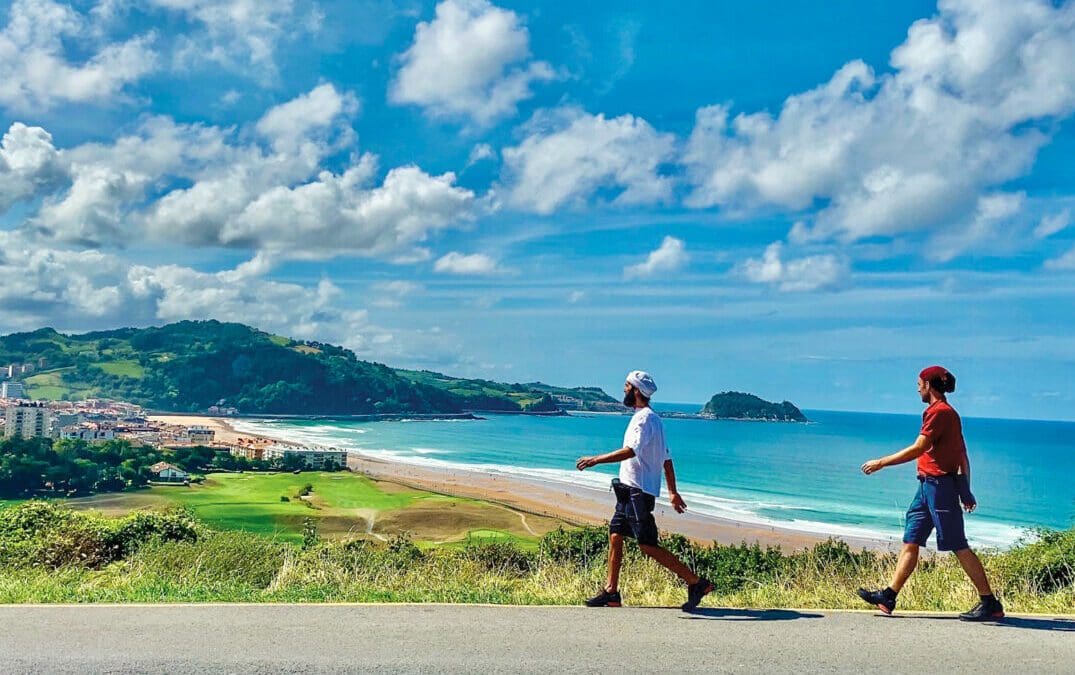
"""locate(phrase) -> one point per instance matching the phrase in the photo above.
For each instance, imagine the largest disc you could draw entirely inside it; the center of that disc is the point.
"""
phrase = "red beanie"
(934, 372)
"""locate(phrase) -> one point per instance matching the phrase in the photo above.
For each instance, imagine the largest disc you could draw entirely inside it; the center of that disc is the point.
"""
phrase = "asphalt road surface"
(451, 638)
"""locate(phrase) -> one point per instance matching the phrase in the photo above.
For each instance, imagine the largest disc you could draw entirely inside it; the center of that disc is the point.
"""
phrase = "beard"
(629, 399)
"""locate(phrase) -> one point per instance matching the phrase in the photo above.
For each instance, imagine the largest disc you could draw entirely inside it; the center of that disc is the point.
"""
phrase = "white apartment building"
(28, 421)
(313, 459)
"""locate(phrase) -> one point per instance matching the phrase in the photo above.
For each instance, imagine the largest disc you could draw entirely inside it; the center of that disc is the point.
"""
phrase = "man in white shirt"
(643, 458)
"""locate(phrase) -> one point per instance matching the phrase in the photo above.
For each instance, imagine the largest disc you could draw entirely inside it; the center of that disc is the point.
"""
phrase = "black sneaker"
(879, 600)
(605, 599)
(985, 610)
(695, 593)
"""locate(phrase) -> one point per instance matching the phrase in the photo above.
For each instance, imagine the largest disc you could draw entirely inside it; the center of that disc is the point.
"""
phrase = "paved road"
(444, 638)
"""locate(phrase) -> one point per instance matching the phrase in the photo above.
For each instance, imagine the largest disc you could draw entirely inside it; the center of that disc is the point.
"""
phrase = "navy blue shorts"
(936, 506)
(634, 515)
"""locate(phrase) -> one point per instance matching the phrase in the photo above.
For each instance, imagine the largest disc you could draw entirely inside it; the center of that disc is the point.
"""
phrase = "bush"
(500, 556)
(1045, 565)
(582, 546)
(44, 533)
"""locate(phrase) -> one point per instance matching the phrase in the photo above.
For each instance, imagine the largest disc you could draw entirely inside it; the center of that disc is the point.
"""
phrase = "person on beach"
(943, 483)
(643, 458)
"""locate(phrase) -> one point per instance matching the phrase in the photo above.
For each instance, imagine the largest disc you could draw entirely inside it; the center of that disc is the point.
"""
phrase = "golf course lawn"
(341, 504)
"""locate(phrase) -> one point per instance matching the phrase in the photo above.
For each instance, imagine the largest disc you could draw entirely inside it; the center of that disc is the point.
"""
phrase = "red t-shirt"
(941, 424)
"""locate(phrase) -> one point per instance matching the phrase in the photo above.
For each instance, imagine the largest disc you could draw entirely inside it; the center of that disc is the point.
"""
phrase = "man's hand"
(873, 466)
(585, 463)
(677, 502)
(968, 507)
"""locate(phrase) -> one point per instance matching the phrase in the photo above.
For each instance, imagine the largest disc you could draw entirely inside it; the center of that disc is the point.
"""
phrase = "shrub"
(1045, 565)
(284, 498)
(500, 556)
(733, 567)
(582, 546)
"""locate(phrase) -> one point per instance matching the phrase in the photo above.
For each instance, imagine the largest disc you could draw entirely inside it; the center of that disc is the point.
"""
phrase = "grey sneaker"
(695, 593)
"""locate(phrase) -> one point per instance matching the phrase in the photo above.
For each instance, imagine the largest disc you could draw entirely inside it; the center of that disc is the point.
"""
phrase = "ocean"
(802, 477)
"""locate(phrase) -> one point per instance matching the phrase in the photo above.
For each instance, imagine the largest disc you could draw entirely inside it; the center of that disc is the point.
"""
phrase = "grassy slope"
(343, 505)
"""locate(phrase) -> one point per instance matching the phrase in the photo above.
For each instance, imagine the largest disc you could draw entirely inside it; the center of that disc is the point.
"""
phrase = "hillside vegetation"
(191, 365)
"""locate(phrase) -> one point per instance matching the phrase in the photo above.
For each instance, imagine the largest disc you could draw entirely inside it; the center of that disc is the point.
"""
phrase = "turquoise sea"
(799, 476)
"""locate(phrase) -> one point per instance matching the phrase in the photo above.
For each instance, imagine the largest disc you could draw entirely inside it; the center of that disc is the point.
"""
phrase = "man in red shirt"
(943, 482)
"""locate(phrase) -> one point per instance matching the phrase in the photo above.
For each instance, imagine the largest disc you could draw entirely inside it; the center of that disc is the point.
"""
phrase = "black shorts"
(634, 515)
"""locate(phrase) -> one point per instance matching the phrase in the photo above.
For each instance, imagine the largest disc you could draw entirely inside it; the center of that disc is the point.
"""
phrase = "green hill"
(737, 405)
(191, 365)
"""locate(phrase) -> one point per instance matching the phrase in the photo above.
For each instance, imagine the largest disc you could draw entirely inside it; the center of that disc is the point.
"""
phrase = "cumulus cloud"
(570, 155)
(207, 186)
(29, 163)
(37, 71)
(390, 294)
(990, 225)
(87, 289)
(475, 264)
(470, 62)
(802, 274)
(669, 257)
(902, 152)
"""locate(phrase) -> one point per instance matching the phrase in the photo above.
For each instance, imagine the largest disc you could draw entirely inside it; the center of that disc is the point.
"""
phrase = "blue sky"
(808, 201)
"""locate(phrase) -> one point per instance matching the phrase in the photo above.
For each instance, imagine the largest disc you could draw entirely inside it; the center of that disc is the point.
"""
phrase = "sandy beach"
(573, 503)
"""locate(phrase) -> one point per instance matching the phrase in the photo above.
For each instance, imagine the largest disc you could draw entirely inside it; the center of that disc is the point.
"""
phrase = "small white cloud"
(669, 257)
(471, 62)
(575, 297)
(480, 152)
(571, 154)
(477, 264)
(390, 294)
(802, 274)
(1051, 224)
(1064, 262)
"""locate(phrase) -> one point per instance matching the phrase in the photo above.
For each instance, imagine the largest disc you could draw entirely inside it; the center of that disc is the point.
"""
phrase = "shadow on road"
(1062, 625)
(749, 614)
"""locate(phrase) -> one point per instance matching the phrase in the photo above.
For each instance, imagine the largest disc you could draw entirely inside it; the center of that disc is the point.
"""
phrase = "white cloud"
(390, 294)
(991, 226)
(207, 186)
(471, 62)
(669, 257)
(480, 152)
(477, 264)
(1053, 223)
(29, 164)
(1063, 262)
(902, 152)
(802, 274)
(570, 155)
(240, 35)
(35, 69)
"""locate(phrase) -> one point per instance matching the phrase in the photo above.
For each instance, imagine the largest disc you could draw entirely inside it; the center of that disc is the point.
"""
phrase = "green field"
(342, 505)
(123, 369)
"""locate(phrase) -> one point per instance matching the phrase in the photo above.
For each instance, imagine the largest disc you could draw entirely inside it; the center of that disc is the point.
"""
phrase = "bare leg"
(906, 564)
(615, 559)
(973, 567)
(674, 564)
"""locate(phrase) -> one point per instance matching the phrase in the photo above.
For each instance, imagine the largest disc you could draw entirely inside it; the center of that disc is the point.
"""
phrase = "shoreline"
(572, 503)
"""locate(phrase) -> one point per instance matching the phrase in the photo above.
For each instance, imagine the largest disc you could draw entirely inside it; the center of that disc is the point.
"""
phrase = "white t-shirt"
(645, 435)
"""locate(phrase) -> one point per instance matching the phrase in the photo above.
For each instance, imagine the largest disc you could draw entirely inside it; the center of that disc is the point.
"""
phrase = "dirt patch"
(327, 526)
(445, 520)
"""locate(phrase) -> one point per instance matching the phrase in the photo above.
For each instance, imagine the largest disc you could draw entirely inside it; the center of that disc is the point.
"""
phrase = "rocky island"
(734, 405)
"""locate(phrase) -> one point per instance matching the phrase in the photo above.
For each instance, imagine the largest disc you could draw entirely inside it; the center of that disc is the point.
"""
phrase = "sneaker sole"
(885, 610)
(992, 617)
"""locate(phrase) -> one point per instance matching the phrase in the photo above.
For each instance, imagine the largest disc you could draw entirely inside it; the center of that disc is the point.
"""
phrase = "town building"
(93, 433)
(200, 435)
(313, 459)
(169, 473)
(27, 420)
(11, 389)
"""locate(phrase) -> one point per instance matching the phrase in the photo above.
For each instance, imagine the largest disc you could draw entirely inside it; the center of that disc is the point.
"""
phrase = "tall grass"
(175, 559)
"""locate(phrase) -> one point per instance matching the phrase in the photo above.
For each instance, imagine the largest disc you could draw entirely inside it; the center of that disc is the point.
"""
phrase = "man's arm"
(673, 496)
(908, 454)
(966, 497)
(607, 458)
